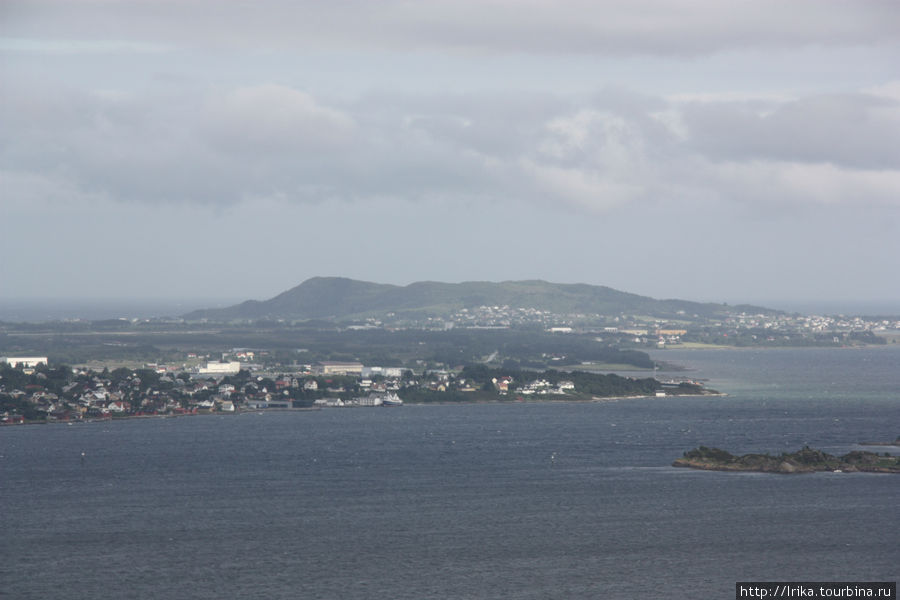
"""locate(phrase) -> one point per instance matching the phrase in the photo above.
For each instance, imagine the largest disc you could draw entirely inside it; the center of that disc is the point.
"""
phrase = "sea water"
(514, 500)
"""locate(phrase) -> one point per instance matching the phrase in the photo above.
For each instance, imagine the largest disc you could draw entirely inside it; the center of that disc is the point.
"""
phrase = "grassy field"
(698, 346)
(602, 367)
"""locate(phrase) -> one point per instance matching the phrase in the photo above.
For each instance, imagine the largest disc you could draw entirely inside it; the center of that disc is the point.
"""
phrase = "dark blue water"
(474, 501)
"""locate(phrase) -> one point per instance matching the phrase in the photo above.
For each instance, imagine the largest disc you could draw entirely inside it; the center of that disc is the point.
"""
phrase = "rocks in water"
(805, 460)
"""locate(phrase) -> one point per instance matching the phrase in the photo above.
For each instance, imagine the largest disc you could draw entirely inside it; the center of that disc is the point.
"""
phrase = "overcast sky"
(706, 150)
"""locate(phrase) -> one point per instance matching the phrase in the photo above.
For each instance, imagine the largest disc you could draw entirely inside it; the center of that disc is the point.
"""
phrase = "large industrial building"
(221, 368)
(327, 367)
(29, 362)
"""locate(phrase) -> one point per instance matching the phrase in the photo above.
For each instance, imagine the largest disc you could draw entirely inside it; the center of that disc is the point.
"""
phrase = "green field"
(698, 346)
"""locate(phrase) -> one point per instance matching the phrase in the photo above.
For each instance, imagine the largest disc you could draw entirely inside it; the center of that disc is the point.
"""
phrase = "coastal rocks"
(806, 460)
(894, 443)
(786, 467)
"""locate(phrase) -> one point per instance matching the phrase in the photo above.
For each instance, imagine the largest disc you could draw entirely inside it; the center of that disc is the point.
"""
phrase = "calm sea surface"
(556, 500)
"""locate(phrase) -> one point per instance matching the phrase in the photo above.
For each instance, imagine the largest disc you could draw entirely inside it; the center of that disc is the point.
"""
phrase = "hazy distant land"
(514, 324)
(342, 298)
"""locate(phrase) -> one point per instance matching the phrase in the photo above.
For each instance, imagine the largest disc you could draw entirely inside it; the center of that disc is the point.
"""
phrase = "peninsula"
(33, 392)
(806, 460)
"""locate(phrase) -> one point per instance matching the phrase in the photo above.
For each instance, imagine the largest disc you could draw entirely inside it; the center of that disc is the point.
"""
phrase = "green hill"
(342, 298)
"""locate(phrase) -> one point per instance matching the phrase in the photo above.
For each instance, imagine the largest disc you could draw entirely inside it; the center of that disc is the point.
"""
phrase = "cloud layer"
(585, 154)
(756, 140)
(530, 26)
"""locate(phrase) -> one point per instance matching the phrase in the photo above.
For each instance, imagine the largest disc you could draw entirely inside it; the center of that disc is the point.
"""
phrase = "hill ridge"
(343, 298)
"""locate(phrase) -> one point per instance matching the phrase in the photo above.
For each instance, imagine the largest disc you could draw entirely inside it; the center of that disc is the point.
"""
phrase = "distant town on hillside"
(339, 342)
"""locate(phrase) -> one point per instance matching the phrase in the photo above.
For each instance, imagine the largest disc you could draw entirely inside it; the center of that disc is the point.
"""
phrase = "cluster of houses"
(38, 393)
(91, 394)
(542, 387)
(763, 328)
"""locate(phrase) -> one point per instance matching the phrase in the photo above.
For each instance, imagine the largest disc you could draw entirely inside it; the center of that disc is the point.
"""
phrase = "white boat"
(391, 400)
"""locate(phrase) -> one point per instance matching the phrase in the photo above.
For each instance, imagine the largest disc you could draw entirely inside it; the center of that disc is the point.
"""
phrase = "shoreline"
(164, 416)
(805, 460)
(559, 400)
(698, 346)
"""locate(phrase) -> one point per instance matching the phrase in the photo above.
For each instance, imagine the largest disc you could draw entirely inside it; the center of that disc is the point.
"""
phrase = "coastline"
(164, 416)
(805, 460)
(514, 400)
(699, 466)
(695, 346)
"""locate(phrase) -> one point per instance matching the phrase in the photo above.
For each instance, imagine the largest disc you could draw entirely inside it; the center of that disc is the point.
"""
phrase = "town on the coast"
(33, 391)
(737, 328)
(336, 342)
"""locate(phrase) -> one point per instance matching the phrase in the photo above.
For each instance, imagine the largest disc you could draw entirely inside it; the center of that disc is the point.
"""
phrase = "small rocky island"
(807, 460)
(894, 443)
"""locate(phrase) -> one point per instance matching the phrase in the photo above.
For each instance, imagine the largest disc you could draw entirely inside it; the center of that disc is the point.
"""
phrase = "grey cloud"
(223, 148)
(274, 118)
(570, 26)
(492, 125)
(854, 130)
(128, 147)
(588, 154)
